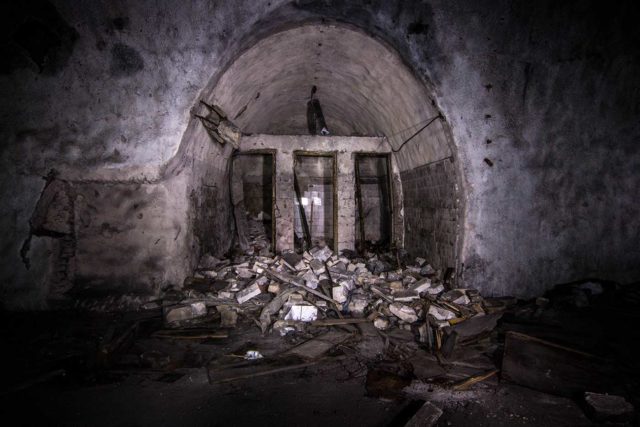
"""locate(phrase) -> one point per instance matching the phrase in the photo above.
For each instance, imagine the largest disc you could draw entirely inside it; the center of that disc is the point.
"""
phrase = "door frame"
(272, 152)
(334, 179)
(387, 156)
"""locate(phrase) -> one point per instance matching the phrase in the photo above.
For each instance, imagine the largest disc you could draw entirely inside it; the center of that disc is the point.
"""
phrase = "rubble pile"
(288, 292)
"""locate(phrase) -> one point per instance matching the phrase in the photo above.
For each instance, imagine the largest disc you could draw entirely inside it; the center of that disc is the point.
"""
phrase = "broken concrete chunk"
(338, 293)
(311, 279)
(302, 313)
(228, 316)
(403, 312)
(408, 280)
(186, 312)
(274, 288)
(317, 266)
(427, 270)
(381, 323)
(261, 281)
(358, 305)
(244, 273)
(321, 254)
(253, 355)
(420, 261)
(302, 265)
(283, 327)
(225, 295)
(272, 308)
(421, 286)
(609, 408)
(456, 296)
(441, 313)
(396, 286)
(405, 296)
(247, 293)
(435, 290)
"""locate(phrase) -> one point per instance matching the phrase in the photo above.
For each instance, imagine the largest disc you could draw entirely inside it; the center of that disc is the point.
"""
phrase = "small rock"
(381, 323)
(441, 313)
(311, 279)
(403, 312)
(187, 312)
(606, 407)
(274, 288)
(247, 293)
(358, 305)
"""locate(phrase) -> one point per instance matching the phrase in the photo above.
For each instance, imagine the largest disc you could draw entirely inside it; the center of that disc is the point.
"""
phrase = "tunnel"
(317, 212)
(266, 90)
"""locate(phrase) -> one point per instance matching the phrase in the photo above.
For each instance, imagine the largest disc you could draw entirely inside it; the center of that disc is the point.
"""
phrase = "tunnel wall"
(541, 99)
(432, 212)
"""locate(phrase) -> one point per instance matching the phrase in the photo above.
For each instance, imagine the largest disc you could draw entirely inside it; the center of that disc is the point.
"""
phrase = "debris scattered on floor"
(286, 291)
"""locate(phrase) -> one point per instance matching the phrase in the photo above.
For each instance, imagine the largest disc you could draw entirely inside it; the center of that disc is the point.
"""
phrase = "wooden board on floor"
(552, 368)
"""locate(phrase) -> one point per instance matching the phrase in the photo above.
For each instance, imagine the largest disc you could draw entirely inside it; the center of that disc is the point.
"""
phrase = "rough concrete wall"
(432, 217)
(543, 102)
(546, 91)
(209, 220)
(130, 237)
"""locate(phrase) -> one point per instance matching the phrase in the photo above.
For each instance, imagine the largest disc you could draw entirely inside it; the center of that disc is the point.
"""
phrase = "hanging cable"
(439, 116)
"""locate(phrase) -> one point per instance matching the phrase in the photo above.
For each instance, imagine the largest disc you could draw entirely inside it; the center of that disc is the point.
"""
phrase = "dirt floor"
(57, 371)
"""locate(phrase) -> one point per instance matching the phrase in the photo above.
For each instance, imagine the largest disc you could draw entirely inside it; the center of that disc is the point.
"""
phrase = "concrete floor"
(333, 392)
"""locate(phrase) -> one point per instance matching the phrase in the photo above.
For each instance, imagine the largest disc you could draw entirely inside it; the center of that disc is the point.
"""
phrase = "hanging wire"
(433, 119)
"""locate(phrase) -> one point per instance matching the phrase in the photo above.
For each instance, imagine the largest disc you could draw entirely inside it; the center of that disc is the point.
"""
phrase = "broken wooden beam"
(463, 385)
(553, 368)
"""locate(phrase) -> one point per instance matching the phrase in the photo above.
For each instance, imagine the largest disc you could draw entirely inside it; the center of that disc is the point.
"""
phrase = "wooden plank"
(318, 346)
(427, 416)
(337, 322)
(552, 368)
(254, 372)
(463, 385)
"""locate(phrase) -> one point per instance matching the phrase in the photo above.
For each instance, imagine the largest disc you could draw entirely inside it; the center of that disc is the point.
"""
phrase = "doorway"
(253, 193)
(373, 202)
(315, 216)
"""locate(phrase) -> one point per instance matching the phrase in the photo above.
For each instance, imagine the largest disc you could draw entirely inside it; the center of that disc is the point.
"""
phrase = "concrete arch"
(365, 89)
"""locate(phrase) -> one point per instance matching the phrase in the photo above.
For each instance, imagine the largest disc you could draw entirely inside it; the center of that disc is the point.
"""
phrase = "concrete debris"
(253, 355)
(188, 312)
(249, 292)
(321, 254)
(311, 279)
(302, 313)
(403, 312)
(292, 292)
(609, 408)
(441, 313)
(381, 323)
(358, 305)
(228, 316)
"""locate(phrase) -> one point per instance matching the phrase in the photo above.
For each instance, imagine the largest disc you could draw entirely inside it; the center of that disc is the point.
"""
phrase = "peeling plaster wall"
(547, 92)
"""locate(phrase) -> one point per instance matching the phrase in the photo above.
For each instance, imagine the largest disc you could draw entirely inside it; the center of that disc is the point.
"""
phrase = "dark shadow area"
(373, 202)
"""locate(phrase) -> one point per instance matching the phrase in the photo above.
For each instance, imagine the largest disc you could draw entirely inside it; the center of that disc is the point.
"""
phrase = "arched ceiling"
(363, 86)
